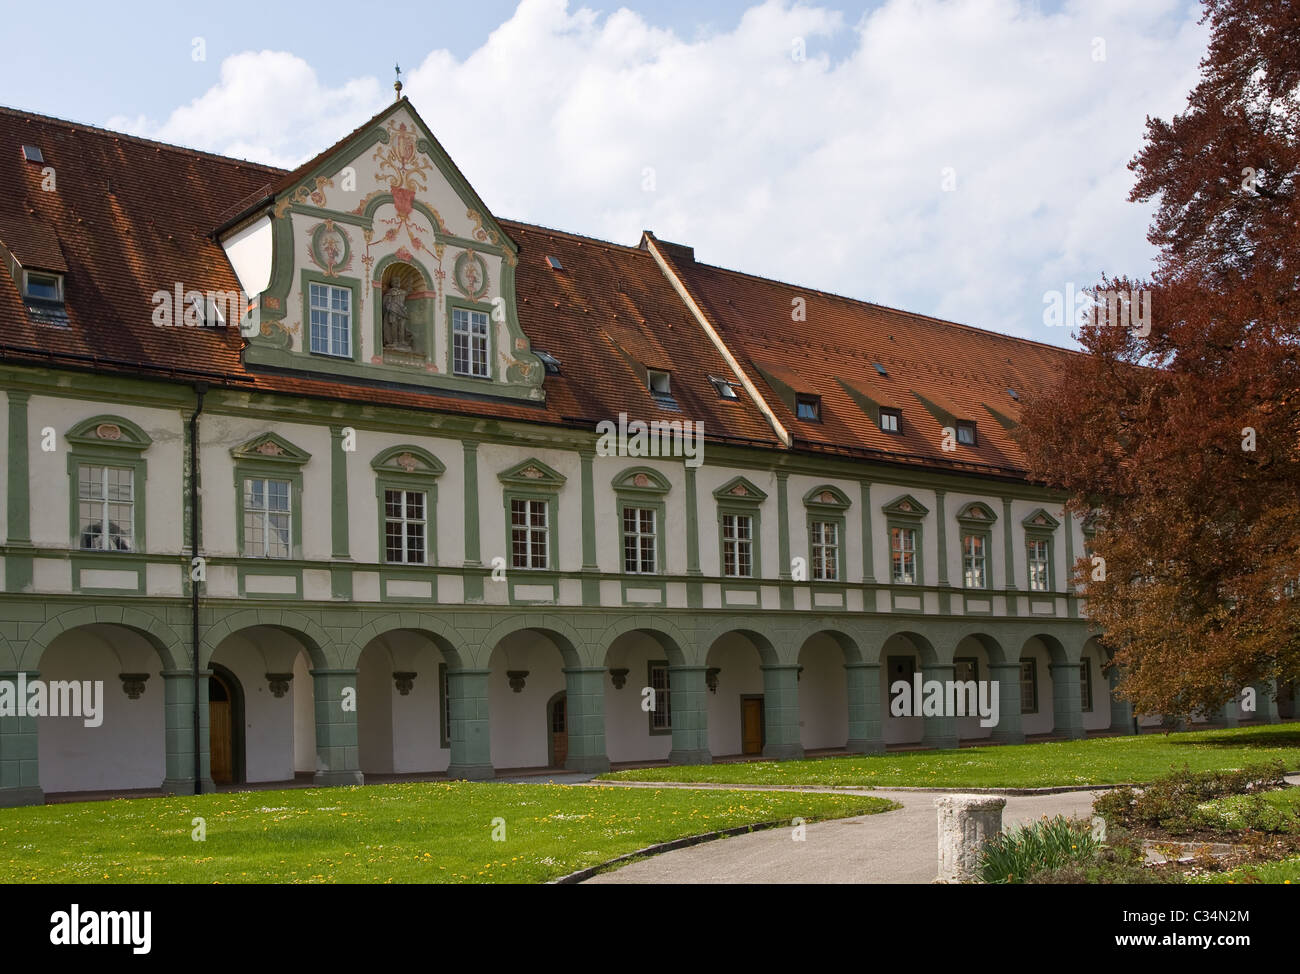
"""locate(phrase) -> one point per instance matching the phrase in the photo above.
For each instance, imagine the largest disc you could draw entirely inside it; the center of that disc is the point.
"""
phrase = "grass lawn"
(1102, 760)
(1286, 872)
(428, 832)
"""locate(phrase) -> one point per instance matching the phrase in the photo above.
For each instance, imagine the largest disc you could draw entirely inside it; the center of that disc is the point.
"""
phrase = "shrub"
(1010, 857)
(1174, 802)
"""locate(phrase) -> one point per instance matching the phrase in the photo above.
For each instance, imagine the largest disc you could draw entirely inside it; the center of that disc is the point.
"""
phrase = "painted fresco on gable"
(373, 225)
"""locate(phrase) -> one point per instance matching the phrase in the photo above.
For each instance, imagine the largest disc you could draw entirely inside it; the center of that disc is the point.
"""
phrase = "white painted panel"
(109, 578)
(409, 588)
(271, 584)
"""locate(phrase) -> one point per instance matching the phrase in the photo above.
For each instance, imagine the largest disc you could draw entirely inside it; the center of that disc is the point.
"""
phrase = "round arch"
(160, 636)
(566, 639)
(315, 641)
(670, 638)
(436, 630)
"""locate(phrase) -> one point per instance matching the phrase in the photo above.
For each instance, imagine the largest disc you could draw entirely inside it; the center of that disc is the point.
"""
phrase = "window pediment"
(271, 448)
(112, 432)
(739, 490)
(533, 475)
(643, 480)
(1040, 521)
(408, 461)
(826, 497)
(976, 514)
(905, 506)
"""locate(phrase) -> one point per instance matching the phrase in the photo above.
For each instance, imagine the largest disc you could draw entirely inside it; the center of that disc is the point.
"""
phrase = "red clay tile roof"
(131, 216)
(938, 372)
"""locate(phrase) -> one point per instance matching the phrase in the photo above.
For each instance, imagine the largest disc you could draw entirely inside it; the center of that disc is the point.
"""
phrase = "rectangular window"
(1038, 561)
(809, 407)
(891, 420)
(965, 432)
(106, 508)
(529, 533)
(444, 694)
(661, 717)
(639, 540)
(267, 518)
(902, 545)
(1085, 686)
(42, 287)
(1028, 686)
(825, 551)
(405, 524)
(331, 320)
(738, 545)
(973, 559)
(966, 669)
(469, 343)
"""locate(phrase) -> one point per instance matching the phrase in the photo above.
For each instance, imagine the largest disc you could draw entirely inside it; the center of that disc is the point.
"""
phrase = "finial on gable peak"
(397, 84)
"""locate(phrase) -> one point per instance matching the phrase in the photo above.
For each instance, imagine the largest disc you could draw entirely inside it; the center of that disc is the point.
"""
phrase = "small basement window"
(966, 432)
(808, 407)
(42, 287)
(891, 420)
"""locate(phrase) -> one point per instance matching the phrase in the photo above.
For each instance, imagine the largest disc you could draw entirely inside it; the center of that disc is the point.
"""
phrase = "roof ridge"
(100, 130)
(573, 235)
(885, 307)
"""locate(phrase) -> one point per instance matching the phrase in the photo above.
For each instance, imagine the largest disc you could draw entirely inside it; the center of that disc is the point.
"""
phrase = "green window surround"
(531, 495)
(264, 459)
(1085, 685)
(976, 521)
(406, 473)
(106, 473)
(739, 504)
(904, 517)
(1040, 568)
(473, 369)
(444, 708)
(642, 490)
(825, 508)
(349, 284)
(661, 717)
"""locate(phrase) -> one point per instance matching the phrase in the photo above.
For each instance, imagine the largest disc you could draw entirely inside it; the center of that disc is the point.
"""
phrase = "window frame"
(307, 279)
(740, 497)
(972, 661)
(1032, 664)
(258, 459)
(267, 477)
(103, 503)
(532, 480)
(893, 413)
(108, 441)
(967, 425)
(809, 399)
(1085, 685)
(410, 468)
(645, 488)
(907, 513)
(1040, 526)
(977, 519)
(547, 531)
(470, 308)
(55, 276)
(666, 728)
(827, 504)
(444, 707)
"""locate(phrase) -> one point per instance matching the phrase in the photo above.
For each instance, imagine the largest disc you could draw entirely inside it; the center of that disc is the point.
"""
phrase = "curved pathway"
(899, 846)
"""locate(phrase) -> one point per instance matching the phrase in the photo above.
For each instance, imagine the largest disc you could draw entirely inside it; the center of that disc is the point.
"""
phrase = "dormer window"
(891, 420)
(808, 407)
(966, 432)
(40, 286)
(658, 382)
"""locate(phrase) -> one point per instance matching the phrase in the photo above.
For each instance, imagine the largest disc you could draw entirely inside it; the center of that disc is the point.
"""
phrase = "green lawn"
(1285, 872)
(430, 832)
(1102, 760)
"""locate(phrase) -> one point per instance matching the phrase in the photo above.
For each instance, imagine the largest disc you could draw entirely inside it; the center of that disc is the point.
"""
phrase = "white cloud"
(822, 172)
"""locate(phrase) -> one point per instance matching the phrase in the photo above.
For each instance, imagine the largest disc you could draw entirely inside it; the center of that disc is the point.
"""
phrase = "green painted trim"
(694, 590)
(590, 586)
(18, 568)
(942, 539)
(339, 510)
(410, 468)
(289, 456)
(452, 302)
(473, 580)
(754, 511)
(132, 436)
(1041, 526)
(265, 569)
(551, 499)
(623, 500)
(822, 515)
(739, 490)
(868, 556)
(783, 537)
(309, 276)
(917, 525)
(96, 561)
(543, 478)
(109, 457)
(985, 533)
(1032, 663)
(444, 708)
(1071, 604)
(1009, 580)
(395, 572)
(645, 582)
(245, 470)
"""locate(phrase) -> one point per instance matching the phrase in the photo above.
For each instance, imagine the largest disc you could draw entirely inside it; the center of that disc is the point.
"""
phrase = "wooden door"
(220, 732)
(559, 732)
(751, 725)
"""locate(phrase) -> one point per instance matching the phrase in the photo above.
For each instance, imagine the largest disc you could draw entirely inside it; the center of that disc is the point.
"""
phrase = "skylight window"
(1013, 394)
(879, 368)
(33, 154)
(725, 389)
(550, 361)
(554, 263)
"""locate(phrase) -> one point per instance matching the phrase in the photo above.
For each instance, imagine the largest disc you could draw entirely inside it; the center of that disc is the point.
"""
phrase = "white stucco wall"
(823, 695)
(739, 676)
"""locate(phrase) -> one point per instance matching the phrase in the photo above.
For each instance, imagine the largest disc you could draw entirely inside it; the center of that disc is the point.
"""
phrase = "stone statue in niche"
(396, 335)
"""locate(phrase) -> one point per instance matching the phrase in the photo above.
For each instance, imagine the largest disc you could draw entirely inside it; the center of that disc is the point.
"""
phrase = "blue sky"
(960, 159)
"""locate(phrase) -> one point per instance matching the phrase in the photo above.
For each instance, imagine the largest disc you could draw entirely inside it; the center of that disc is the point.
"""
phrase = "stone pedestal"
(965, 823)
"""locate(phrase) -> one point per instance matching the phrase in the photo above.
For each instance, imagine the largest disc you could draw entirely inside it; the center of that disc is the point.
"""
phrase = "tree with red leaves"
(1181, 437)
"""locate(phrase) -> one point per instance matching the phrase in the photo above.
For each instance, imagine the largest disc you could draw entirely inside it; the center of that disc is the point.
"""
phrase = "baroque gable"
(380, 262)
